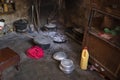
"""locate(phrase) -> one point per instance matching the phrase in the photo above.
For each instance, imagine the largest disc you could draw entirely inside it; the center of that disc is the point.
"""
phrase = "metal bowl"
(67, 66)
(59, 38)
(66, 71)
(67, 63)
(60, 56)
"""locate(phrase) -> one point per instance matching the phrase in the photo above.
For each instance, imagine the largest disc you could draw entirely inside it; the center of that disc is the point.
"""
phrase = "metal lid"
(50, 25)
(60, 56)
(41, 40)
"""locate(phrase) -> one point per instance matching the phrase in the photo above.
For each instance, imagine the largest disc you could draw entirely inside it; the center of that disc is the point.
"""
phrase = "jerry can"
(84, 59)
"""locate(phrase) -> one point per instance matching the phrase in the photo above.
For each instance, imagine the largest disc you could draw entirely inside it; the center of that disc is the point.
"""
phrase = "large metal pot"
(42, 41)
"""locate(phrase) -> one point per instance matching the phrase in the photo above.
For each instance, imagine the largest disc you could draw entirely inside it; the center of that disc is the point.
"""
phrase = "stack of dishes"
(67, 66)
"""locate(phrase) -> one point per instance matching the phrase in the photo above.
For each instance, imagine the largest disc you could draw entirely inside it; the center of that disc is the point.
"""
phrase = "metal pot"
(59, 38)
(51, 26)
(21, 25)
(67, 66)
(42, 41)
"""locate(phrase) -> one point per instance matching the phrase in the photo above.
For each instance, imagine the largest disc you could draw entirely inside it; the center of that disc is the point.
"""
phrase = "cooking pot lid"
(42, 40)
(60, 56)
(50, 25)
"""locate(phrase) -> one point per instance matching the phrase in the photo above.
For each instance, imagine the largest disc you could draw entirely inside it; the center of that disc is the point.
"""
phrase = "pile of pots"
(66, 65)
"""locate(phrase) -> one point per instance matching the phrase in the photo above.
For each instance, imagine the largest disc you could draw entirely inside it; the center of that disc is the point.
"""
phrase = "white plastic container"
(2, 24)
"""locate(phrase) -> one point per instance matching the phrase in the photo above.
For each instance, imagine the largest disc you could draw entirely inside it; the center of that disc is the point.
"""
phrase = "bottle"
(5, 7)
(84, 59)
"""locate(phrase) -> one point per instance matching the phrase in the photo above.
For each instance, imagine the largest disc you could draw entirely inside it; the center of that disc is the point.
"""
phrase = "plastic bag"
(35, 52)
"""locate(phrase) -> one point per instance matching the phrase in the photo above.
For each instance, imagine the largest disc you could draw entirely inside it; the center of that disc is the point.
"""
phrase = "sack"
(35, 52)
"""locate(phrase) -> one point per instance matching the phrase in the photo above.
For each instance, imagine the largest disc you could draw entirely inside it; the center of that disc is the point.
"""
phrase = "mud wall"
(76, 12)
(22, 7)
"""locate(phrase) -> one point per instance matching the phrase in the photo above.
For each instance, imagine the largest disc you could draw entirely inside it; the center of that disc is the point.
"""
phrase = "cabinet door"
(104, 54)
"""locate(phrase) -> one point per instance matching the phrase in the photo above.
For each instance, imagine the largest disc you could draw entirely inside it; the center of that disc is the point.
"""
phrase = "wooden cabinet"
(104, 56)
(102, 37)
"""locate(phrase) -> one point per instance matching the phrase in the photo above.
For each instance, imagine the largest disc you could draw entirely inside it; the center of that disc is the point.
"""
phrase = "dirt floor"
(45, 68)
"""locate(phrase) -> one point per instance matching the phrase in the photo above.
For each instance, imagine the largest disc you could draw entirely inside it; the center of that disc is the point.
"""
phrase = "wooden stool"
(8, 58)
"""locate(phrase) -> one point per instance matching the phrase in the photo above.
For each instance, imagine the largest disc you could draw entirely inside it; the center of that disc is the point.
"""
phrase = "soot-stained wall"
(22, 7)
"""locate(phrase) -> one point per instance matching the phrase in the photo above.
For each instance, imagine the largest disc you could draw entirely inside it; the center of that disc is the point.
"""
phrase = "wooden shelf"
(98, 24)
(113, 13)
(103, 43)
(7, 8)
(105, 40)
